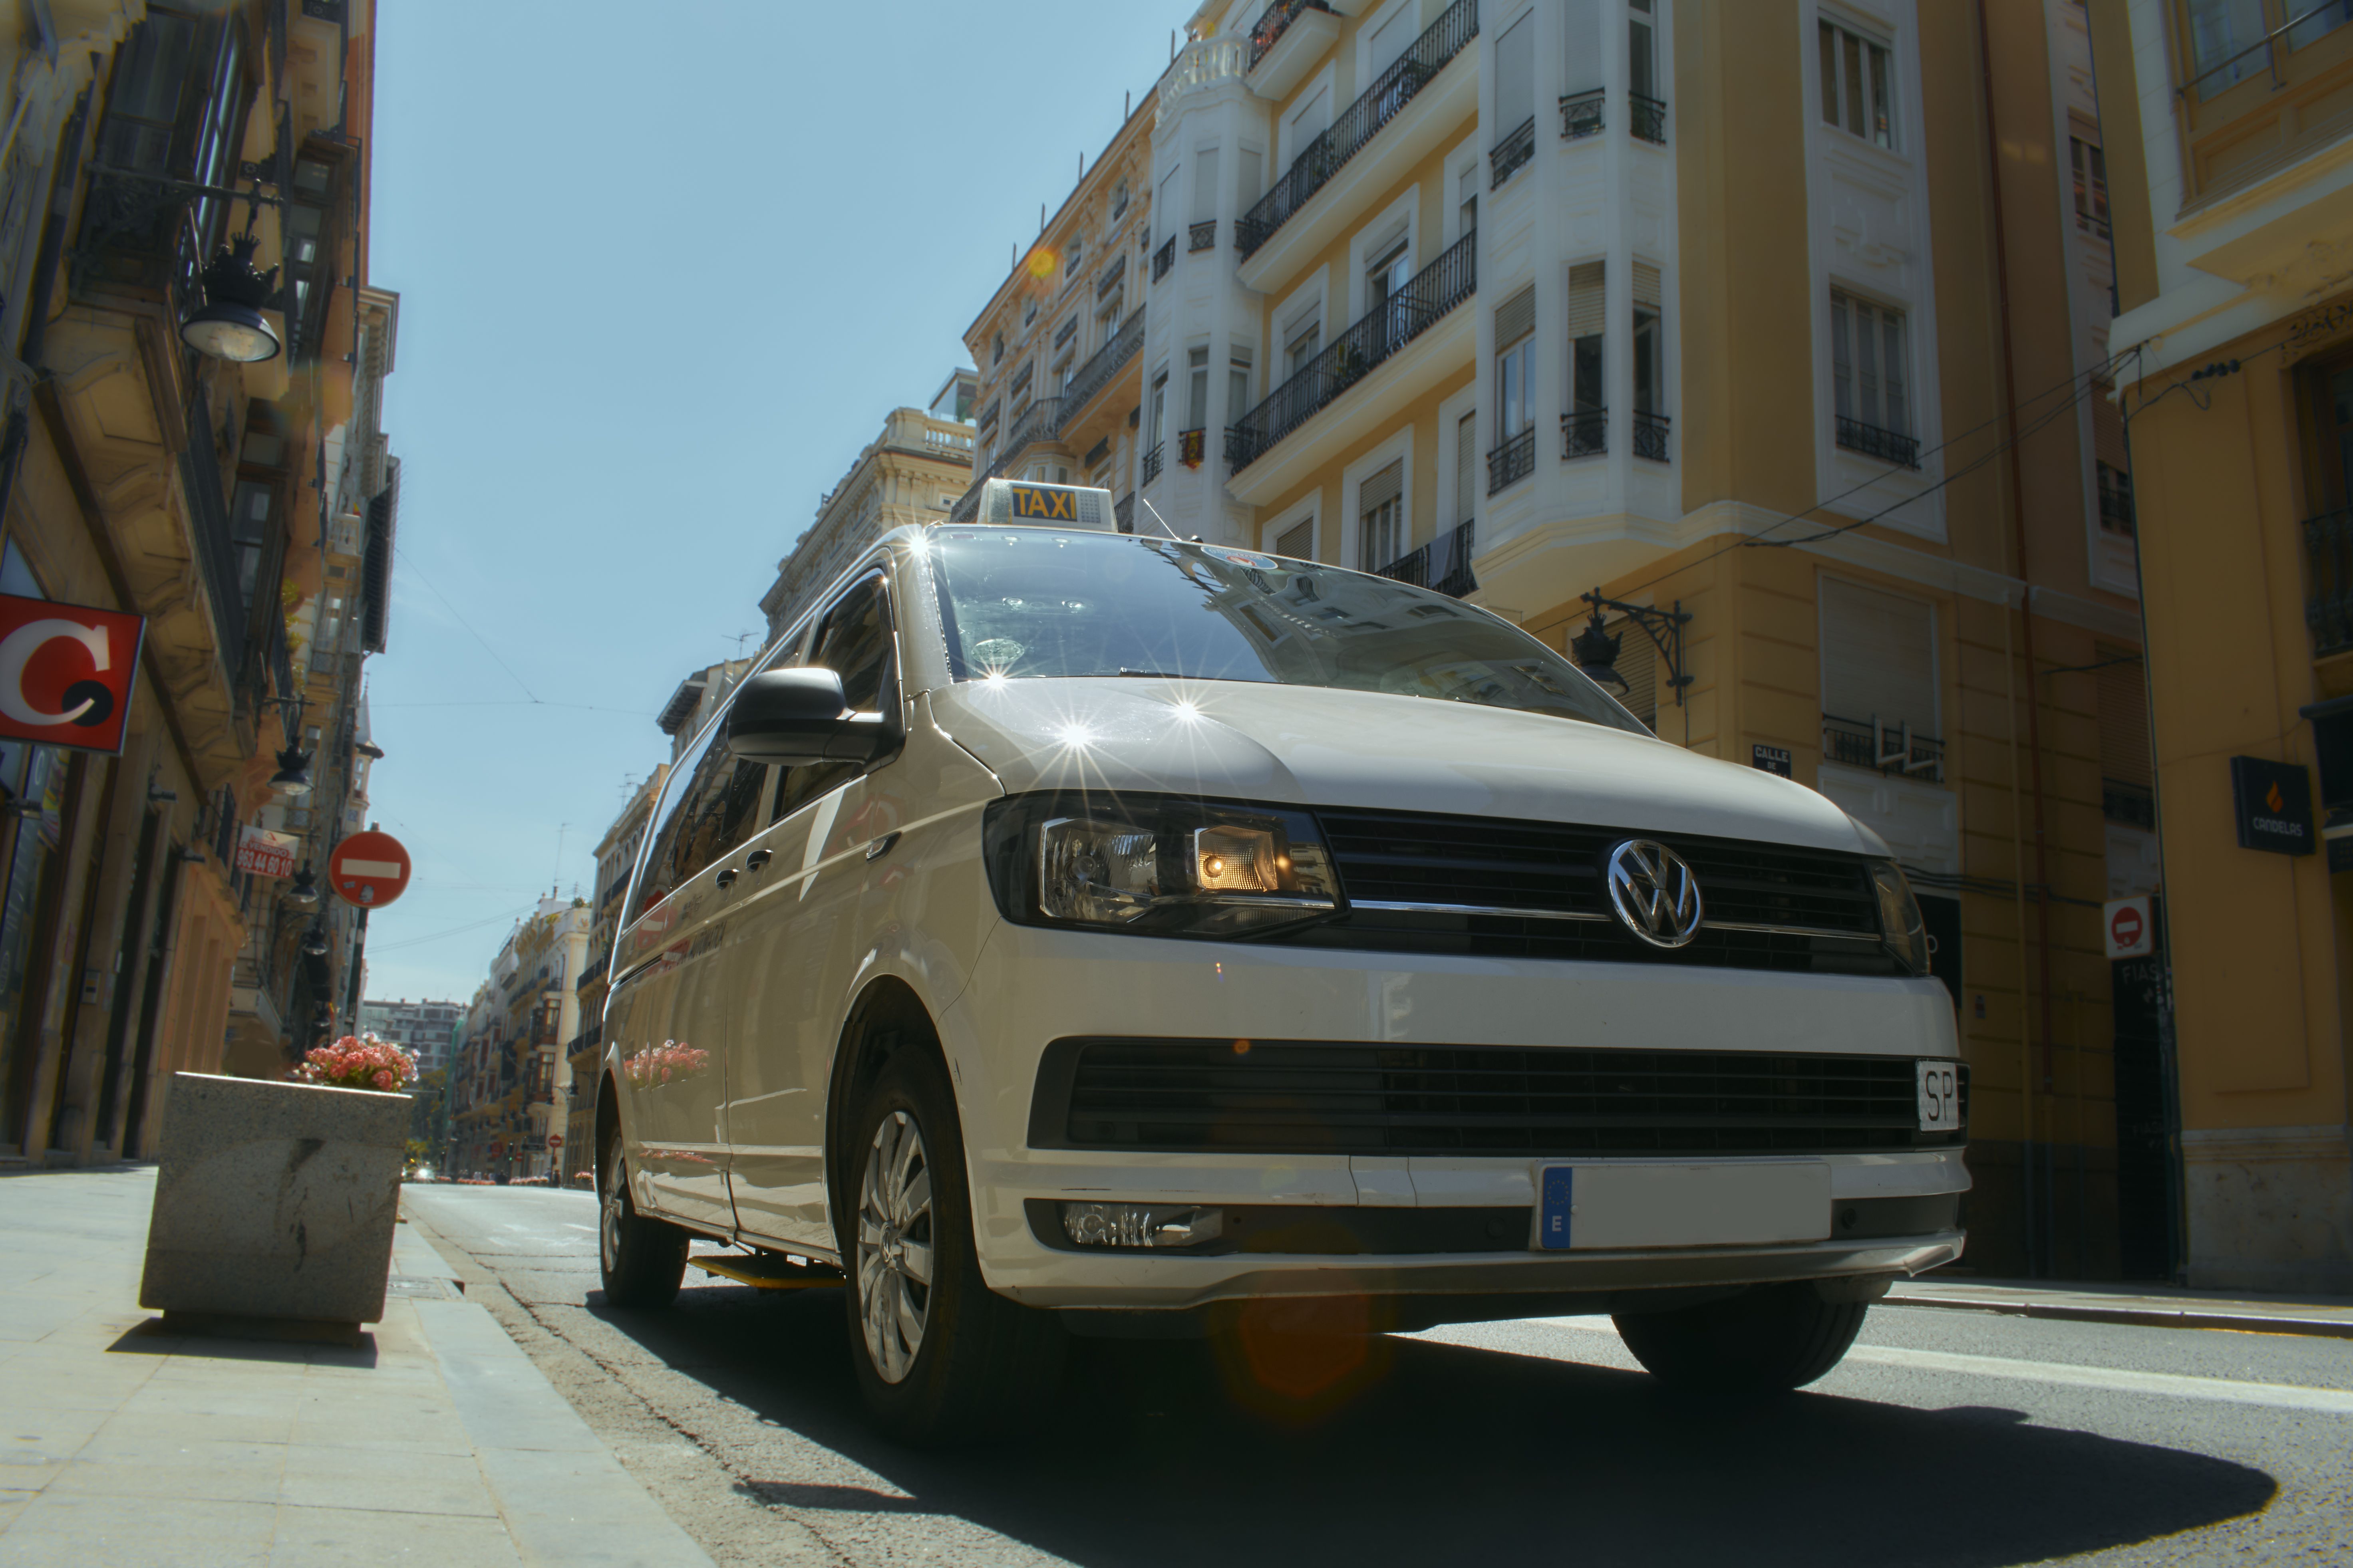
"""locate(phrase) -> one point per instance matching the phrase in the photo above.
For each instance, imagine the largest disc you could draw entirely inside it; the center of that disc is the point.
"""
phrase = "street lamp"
(304, 893)
(293, 778)
(231, 326)
(1596, 651)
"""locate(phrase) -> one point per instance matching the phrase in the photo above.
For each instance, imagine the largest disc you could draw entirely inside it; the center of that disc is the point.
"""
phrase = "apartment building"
(912, 472)
(429, 1031)
(1754, 354)
(513, 1084)
(188, 435)
(2228, 156)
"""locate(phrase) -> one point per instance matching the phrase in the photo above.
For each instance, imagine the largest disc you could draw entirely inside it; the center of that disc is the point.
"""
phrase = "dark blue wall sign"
(2275, 806)
(1771, 759)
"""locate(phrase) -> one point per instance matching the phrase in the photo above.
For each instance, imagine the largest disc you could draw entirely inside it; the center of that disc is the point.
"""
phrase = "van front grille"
(1318, 1097)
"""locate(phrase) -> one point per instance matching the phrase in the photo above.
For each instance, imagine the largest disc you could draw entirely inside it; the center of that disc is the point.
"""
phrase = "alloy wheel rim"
(895, 1247)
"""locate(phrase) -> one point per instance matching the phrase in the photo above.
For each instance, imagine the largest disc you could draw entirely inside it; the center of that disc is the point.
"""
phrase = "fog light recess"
(1140, 1224)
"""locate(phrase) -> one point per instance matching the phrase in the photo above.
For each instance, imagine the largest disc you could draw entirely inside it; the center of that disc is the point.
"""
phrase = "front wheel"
(1766, 1340)
(642, 1260)
(939, 1356)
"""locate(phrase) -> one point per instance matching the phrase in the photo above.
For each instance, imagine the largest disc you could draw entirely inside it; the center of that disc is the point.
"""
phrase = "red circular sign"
(2125, 929)
(369, 870)
(556, 1140)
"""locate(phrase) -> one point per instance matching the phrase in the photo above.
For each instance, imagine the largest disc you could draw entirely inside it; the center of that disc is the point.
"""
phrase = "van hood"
(1300, 745)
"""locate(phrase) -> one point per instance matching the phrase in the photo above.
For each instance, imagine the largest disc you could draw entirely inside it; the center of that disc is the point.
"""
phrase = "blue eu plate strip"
(1553, 1188)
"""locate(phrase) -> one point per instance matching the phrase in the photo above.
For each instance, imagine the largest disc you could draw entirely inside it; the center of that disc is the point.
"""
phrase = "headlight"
(1899, 917)
(1157, 864)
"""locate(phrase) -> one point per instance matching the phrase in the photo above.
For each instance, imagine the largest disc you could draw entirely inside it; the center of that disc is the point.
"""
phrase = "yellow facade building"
(1780, 327)
(2231, 159)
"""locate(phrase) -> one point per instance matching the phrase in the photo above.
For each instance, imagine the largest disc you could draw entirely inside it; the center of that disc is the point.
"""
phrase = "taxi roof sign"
(1061, 506)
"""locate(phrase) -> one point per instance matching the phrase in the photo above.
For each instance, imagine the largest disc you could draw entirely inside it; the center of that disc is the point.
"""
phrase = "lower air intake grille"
(1310, 1097)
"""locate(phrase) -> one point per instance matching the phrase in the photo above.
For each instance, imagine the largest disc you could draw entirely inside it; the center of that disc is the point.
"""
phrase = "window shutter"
(1382, 486)
(1646, 285)
(1205, 185)
(1879, 657)
(2124, 720)
(1585, 296)
(1298, 540)
(1515, 76)
(1515, 317)
(1466, 467)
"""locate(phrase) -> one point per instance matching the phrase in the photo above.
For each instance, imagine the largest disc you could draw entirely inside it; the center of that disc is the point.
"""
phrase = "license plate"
(1940, 1096)
(1642, 1204)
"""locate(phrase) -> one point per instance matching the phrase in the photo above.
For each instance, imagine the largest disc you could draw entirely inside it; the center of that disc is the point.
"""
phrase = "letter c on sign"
(16, 651)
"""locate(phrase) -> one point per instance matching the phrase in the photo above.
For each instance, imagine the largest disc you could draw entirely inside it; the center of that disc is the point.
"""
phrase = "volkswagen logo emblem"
(1653, 892)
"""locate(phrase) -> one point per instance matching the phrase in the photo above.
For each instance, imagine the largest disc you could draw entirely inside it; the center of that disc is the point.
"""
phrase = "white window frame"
(1449, 419)
(1877, 33)
(1461, 159)
(1293, 313)
(1308, 509)
(1397, 448)
(1402, 219)
(1879, 302)
(1286, 132)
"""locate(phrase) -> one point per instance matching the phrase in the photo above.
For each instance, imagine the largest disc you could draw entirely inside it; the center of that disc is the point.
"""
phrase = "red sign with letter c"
(66, 673)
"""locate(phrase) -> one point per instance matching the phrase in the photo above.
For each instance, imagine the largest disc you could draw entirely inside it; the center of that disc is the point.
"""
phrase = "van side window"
(854, 642)
(717, 810)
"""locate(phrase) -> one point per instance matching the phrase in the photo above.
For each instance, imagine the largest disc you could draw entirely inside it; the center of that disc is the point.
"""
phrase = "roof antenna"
(1162, 521)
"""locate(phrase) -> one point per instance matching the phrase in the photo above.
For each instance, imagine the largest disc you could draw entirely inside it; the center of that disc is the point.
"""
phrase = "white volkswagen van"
(1065, 930)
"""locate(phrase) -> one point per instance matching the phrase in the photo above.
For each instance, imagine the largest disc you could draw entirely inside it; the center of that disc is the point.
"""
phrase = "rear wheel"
(642, 1260)
(939, 1356)
(1766, 1340)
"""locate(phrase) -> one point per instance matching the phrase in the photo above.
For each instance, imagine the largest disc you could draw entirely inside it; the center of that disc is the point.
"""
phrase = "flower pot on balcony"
(275, 1200)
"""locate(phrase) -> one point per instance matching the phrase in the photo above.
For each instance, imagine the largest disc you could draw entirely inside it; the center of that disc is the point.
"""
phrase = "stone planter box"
(275, 1200)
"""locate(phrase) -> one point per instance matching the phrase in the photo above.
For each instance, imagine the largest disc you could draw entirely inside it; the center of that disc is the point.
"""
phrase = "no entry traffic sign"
(556, 1140)
(369, 870)
(2130, 932)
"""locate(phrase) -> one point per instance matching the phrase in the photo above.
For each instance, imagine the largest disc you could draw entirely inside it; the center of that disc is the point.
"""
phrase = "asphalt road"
(1944, 1438)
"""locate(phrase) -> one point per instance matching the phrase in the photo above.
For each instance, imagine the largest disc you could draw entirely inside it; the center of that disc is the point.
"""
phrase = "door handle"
(725, 879)
(881, 846)
(757, 859)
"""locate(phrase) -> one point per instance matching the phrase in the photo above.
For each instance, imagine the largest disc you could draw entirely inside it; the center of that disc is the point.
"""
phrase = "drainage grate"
(424, 1287)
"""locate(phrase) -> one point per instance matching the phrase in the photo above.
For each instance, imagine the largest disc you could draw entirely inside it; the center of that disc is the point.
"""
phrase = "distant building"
(911, 473)
(429, 1031)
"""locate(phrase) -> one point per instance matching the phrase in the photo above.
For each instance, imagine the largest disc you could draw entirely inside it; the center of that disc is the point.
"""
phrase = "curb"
(2144, 1316)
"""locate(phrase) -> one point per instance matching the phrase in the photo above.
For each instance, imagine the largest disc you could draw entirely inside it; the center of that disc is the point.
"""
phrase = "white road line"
(2228, 1391)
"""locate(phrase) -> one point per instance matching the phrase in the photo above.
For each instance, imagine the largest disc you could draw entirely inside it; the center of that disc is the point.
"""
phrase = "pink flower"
(384, 1078)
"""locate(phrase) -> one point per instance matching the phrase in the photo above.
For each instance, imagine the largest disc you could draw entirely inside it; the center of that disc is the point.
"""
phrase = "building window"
(1870, 380)
(1879, 681)
(1380, 508)
(1197, 388)
(1858, 85)
(1650, 365)
(2091, 187)
(2116, 500)
(1298, 540)
(1647, 116)
(2225, 37)
(1515, 99)
(1306, 340)
(1238, 382)
(1515, 453)
(1466, 468)
(1585, 424)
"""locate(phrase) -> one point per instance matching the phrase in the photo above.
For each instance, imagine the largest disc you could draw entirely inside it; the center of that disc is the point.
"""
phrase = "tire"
(642, 1260)
(939, 1357)
(1767, 1341)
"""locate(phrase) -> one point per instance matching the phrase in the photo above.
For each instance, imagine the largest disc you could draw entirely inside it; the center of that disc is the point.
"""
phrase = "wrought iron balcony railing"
(1647, 118)
(2328, 581)
(1873, 442)
(1511, 153)
(1442, 564)
(1102, 365)
(2116, 510)
(1037, 422)
(1274, 24)
(1581, 114)
(1585, 433)
(1163, 258)
(1891, 749)
(1358, 124)
(2129, 805)
(1355, 353)
(1202, 236)
(1513, 461)
(1650, 436)
(1151, 463)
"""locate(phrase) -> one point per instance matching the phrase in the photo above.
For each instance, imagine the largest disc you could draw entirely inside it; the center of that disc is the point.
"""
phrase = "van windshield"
(1030, 602)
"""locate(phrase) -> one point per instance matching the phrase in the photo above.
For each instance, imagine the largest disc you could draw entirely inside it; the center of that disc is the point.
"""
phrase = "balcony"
(1873, 442)
(1867, 742)
(1511, 153)
(1036, 423)
(1356, 125)
(1581, 114)
(1513, 461)
(1388, 327)
(1151, 463)
(1442, 565)
(1651, 435)
(1286, 43)
(1647, 118)
(1202, 236)
(1105, 363)
(2328, 581)
(1585, 433)
(1163, 258)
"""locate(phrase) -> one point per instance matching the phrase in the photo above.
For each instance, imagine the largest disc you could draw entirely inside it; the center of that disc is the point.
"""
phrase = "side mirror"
(796, 717)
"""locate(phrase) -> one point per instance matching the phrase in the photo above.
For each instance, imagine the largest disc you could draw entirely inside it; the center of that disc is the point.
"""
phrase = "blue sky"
(663, 269)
